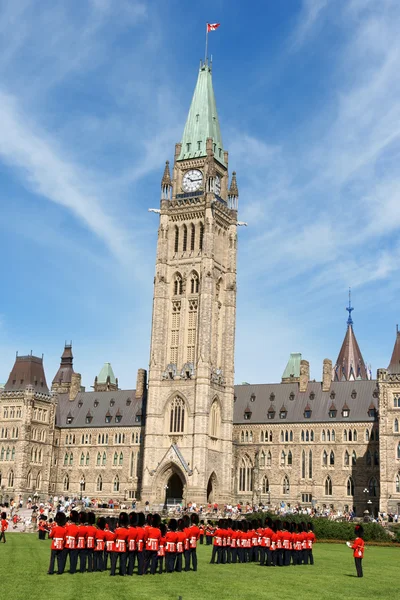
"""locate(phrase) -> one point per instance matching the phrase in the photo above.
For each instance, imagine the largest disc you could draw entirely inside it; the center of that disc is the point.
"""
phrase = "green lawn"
(24, 562)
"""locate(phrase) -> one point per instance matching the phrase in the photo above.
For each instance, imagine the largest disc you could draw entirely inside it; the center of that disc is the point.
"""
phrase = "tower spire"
(202, 122)
(350, 363)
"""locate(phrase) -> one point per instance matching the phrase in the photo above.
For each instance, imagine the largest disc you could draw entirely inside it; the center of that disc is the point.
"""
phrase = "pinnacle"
(233, 190)
(166, 178)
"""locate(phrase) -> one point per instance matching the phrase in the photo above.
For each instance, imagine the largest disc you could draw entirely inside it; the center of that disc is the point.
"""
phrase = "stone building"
(188, 433)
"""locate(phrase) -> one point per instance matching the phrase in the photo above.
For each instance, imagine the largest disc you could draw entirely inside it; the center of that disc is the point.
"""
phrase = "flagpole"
(205, 57)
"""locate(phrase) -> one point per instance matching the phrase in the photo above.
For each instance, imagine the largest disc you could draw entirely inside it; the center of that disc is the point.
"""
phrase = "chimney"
(75, 386)
(304, 375)
(141, 383)
(326, 375)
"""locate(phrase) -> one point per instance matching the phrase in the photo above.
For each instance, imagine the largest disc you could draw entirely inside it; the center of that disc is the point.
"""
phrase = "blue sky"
(93, 96)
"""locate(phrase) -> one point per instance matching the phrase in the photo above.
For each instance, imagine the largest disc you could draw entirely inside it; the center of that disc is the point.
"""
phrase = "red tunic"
(81, 537)
(194, 534)
(90, 536)
(57, 535)
(358, 547)
(140, 538)
(180, 541)
(310, 537)
(121, 535)
(161, 547)
(110, 541)
(170, 541)
(218, 536)
(131, 539)
(153, 537)
(71, 532)
(187, 535)
(100, 536)
(286, 540)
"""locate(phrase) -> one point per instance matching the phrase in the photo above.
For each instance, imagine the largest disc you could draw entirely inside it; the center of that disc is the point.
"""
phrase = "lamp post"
(365, 492)
(370, 507)
(165, 499)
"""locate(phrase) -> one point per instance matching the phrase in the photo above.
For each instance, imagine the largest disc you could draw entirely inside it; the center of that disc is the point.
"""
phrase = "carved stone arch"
(168, 407)
(212, 488)
(169, 481)
(215, 418)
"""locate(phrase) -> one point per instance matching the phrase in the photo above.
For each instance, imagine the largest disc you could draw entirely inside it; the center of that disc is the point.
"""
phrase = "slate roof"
(66, 369)
(97, 405)
(319, 402)
(27, 370)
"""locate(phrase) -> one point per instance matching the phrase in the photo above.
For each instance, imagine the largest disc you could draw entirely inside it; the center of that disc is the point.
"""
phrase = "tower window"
(192, 237)
(188, 147)
(198, 145)
(175, 327)
(177, 416)
(176, 246)
(191, 331)
(201, 236)
(184, 245)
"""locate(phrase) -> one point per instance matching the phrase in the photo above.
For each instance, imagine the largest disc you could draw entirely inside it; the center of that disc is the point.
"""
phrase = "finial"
(166, 179)
(349, 309)
(233, 190)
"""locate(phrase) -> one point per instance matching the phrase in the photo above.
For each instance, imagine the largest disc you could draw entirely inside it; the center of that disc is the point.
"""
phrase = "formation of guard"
(271, 543)
(138, 544)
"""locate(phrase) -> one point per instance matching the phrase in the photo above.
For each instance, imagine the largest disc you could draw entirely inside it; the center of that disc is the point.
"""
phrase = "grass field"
(24, 561)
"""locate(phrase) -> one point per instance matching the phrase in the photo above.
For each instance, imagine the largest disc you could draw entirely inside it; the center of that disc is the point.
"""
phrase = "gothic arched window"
(398, 450)
(302, 435)
(333, 435)
(11, 479)
(332, 458)
(312, 435)
(82, 460)
(245, 475)
(269, 459)
(104, 458)
(265, 485)
(178, 285)
(373, 487)
(324, 458)
(355, 435)
(194, 283)
(397, 483)
(116, 484)
(71, 459)
(328, 486)
(350, 436)
(283, 458)
(310, 465)
(289, 458)
(346, 459)
(215, 419)
(121, 459)
(66, 483)
(29, 480)
(396, 426)
(65, 458)
(262, 459)
(192, 237)
(39, 481)
(286, 485)
(303, 464)
(345, 435)
(350, 486)
(242, 437)
(354, 458)
(87, 459)
(99, 484)
(369, 459)
(201, 236)
(115, 461)
(376, 458)
(177, 416)
(184, 244)
(98, 460)
(176, 245)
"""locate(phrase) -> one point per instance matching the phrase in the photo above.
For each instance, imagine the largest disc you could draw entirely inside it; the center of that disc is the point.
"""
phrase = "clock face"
(217, 185)
(192, 180)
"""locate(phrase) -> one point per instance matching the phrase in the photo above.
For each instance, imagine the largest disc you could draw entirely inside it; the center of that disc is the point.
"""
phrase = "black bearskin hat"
(60, 519)
(91, 518)
(194, 517)
(359, 531)
(74, 516)
(156, 520)
(123, 519)
(173, 524)
(133, 519)
(101, 523)
(82, 517)
(141, 519)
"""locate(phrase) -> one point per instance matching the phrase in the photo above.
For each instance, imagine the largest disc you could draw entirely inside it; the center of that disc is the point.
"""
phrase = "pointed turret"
(62, 380)
(166, 183)
(106, 380)
(350, 364)
(394, 367)
(202, 122)
(233, 194)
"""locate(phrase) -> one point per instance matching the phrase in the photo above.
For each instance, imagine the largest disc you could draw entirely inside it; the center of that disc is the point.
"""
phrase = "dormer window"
(96, 403)
(118, 417)
(312, 396)
(80, 403)
(128, 401)
(89, 418)
(247, 414)
(253, 398)
(69, 419)
(112, 402)
(354, 394)
(271, 413)
(371, 412)
(282, 413)
(291, 396)
(307, 412)
(375, 394)
(332, 413)
(333, 395)
(234, 398)
(272, 396)
(345, 413)
(138, 418)
(108, 417)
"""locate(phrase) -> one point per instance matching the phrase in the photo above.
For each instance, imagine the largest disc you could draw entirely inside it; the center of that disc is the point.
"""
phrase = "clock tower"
(188, 440)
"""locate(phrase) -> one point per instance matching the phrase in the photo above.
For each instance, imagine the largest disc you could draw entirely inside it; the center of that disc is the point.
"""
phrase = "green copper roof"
(202, 121)
(105, 372)
(293, 366)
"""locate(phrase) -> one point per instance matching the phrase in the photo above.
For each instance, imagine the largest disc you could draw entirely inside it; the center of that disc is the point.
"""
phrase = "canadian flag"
(212, 26)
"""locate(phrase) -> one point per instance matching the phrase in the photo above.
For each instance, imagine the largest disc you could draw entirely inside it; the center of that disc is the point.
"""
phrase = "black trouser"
(221, 555)
(287, 555)
(192, 556)
(82, 553)
(170, 561)
(150, 561)
(187, 560)
(56, 554)
(201, 538)
(359, 569)
(3, 536)
(208, 540)
(228, 555)
(90, 561)
(262, 555)
(106, 555)
(140, 556)
(214, 552)
(178, 562)
(310, 556)
(42, 534)
(255, 554)
(122, 562)
(131, 561)
(234, 554)
(73, 559)
(98, 560)
(160, 564)
(268, 553)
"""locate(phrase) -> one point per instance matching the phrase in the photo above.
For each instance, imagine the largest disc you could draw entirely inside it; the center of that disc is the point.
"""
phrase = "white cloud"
(311, 13)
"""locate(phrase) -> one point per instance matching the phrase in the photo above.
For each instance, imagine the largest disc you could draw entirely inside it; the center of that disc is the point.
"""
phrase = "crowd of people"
(135, 543)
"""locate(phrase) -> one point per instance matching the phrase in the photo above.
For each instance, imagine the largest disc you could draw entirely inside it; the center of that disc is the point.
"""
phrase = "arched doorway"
(174, 493)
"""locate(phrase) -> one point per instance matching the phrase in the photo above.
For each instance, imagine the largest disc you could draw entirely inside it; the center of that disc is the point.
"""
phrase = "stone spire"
(350, 364)
(233, 190)
(62, 379)
(202, 121)
(166, 178)
(394, 367)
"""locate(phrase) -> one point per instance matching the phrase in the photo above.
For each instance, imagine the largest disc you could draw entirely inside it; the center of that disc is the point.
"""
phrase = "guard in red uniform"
(152, 544)
(202, 528)
(209, 533)
(267, 539)
(57, 535)
(81, 541)
(161, 548)
(42, 527)
(131, 543)
(217, 542)
(90, 540)
(180, 545)
(310, 540)
(100, 545)
(140, 541)
(358, 549)
(170, 545)
(70, 547)
(287, 544)
(109, 537)
(193, 537)
(120, 548)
